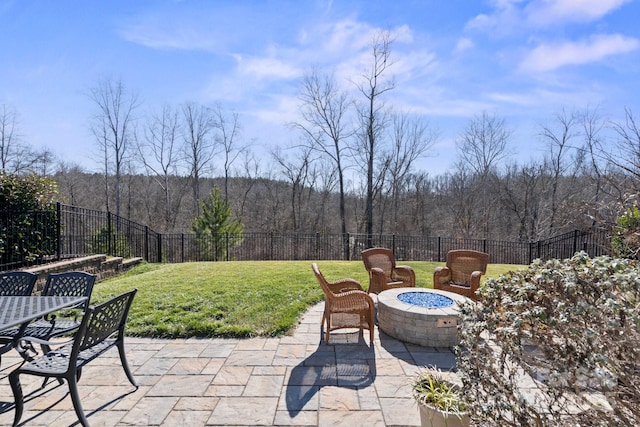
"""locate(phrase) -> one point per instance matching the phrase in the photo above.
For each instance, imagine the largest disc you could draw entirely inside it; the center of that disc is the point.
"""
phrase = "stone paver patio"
(293, 380)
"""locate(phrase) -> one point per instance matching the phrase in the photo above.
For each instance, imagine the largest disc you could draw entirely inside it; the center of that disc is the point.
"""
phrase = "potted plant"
(439, 400)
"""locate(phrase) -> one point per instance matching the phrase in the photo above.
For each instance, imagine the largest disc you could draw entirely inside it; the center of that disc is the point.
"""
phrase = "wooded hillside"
(518, 205)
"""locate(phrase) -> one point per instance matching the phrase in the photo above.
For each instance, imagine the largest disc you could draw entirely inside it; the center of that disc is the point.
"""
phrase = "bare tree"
(112, 126)
(298, 173)
(160, 154)
(621, 178)
(228, 139)
(42, 162)
(412, 138)
(8, 135)
(71, 183)
(199, 145)
(422, 203)
(560, 136)
(103, 147)
(251, 174)
(484, 143)
(460, 203)
(594, 168)
(521, 196)
(373, 117)
(481, 147)
(324, 109)
(625, 155)
(15, 155)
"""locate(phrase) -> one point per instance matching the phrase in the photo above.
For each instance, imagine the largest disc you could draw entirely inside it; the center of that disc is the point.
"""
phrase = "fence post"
(146, 242)
(226, 245)
(575, 242)
(271, 245)
(393, 243)
(159, 247)
(484, 245)
(348, 245)
(58, 232)
(109, 231)
(317, 245)
(439, 248)
(182, 247)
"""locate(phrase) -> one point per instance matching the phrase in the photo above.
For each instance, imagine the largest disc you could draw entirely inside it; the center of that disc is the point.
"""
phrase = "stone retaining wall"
(99, 265)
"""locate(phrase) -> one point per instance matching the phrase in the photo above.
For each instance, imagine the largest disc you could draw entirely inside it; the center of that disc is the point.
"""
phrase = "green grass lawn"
(234, 299)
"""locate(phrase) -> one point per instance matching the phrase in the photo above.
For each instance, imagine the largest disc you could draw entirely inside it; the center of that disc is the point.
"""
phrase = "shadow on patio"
(347, 361)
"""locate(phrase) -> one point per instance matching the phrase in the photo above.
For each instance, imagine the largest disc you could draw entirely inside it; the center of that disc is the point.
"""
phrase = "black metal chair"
(72, 283)
(17, 283)
(102, 327)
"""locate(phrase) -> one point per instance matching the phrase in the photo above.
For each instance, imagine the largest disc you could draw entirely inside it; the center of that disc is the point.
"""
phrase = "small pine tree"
(216, 231)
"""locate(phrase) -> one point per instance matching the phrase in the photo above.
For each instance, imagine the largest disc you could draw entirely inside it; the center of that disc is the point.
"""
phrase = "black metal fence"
(79, 232)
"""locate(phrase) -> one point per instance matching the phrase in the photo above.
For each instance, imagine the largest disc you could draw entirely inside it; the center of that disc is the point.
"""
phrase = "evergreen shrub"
(555, 344)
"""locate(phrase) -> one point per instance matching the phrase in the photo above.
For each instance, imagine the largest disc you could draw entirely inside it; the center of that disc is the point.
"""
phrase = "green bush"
(556, 344)
(626, 235)
(27, 218)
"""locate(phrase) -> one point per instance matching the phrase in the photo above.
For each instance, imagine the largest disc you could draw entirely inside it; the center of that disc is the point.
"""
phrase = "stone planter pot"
(432, 417)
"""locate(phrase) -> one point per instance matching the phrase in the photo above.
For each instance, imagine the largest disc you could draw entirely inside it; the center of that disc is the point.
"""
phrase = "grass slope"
(233, 299)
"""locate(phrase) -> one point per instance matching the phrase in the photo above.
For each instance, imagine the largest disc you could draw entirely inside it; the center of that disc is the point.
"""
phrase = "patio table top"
(16, 310)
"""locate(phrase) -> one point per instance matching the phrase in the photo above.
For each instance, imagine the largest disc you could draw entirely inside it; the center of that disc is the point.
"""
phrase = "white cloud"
(180, 30)
(464, 43)
(271, 68)
(524, 99)
(543, 97)
(402, 34)
(453, 108)
(345, 35)
(508, 16)
(411, 64)
(547, 57)
(544, 12)
(281, 112)
(180, 39)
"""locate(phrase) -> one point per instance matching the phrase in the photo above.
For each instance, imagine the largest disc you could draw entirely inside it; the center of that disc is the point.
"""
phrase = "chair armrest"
(377, 281)
(406, 274)
(25, 344)
(344, 285)
(474, 281)
(45, 342)
(441, 275)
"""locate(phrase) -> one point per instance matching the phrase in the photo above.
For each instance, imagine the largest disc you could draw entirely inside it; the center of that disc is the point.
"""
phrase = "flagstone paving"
(293, 380)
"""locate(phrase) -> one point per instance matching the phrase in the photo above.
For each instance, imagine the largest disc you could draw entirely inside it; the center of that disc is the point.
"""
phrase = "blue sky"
(521, 60)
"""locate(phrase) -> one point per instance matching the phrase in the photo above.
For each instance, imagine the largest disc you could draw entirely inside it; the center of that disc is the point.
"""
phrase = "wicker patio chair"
(384, 273)
(462, 272)
(72, 283)
(347, 305)
(17, 283)
(102, 328)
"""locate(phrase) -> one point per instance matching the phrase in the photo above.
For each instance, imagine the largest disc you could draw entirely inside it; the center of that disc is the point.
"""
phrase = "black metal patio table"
(20, 310)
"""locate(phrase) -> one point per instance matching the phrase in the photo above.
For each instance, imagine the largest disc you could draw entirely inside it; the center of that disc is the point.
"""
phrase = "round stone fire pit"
(427, 317)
